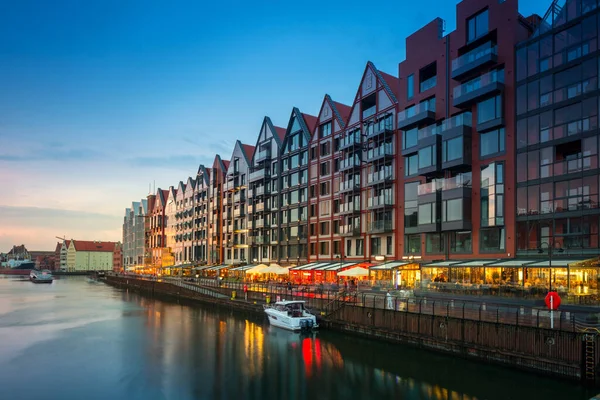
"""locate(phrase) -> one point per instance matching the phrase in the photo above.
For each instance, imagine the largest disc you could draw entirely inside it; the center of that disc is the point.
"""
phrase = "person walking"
(389, 301)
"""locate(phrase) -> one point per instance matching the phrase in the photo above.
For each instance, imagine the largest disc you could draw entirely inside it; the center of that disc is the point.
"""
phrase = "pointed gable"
(203, 176)
(374, 81)
(190, 185)
(248, 152)
(300, 122)
(331, 110)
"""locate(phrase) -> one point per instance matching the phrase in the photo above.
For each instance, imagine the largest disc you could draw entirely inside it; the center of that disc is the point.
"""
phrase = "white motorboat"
(44, 276)
(291, 315)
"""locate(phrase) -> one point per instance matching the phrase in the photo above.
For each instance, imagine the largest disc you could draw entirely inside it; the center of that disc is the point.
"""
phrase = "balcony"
(422, 113)
(350, 208)
(349, 186)
(349, 163)
(259, 223)
(380, 201)
(258, 240)
(239, 212)
(369, 111)
(350, 141)
(263, 155)
(382, 176)
(258, 207)
(454, 190)
(428, 84)
(380, 227)
(386, 150)
(475, 59)
(486, 85)
(350, 230)
(261, 190)
(374, 130)
(239, 197)
(456, 141)
(258, 175)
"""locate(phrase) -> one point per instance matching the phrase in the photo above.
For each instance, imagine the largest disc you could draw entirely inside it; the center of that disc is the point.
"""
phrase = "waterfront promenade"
(498, 333)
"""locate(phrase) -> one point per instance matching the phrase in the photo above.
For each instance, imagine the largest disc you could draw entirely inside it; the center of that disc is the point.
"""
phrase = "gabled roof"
(390, 83)
(18, 250)
(280, 133)
(205, 172)
(190, 184)
(340, 112)
(174, 192)
(248, 152)
(225, 165)
(58, 247)
(311, 121)
(181, 188)
(83, 245)
(219, 163)
(307, 123)
(344, 111)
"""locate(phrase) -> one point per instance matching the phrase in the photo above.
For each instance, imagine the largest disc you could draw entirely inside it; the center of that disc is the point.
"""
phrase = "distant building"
(134, 233)
(90, 255)
(118, 257)
(18, 253)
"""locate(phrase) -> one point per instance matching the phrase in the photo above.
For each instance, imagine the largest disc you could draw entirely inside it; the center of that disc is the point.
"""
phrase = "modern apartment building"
(325, 224)
(293, 186)
(201, 215)
(133, 234)
(156, 226)
(456, 118)
(263, 193)
(235, 229)
(216, 222)
(172, 228)
(557, 134)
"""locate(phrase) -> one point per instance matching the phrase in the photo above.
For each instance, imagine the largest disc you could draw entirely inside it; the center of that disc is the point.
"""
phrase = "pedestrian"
(390, 303)
(345, 286)
(289, 286)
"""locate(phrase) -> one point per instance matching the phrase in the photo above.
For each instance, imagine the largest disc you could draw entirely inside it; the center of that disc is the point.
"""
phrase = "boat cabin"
(292, 308)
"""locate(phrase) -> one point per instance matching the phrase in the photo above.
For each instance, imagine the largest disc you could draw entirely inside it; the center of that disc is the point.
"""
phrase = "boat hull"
(40, 280)
(292, 324)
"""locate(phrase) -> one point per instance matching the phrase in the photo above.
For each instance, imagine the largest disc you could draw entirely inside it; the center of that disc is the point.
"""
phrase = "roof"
(58, 246)
(344, 111)
(83, 245)
(280, 132)
(392, 81)
(18, 250)
(226, 164)
(311, 121)
(249, 150)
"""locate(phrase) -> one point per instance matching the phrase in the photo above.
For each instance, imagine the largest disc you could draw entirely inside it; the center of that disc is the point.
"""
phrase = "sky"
(100, 101)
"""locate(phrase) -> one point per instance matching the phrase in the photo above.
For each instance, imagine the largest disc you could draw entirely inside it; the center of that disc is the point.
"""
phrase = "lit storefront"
(396, 274)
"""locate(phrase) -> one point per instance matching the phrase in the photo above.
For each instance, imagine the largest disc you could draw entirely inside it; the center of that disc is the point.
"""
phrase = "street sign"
(552, 300)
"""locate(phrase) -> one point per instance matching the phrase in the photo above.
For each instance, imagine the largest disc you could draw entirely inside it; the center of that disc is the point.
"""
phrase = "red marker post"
(552, 301)
(245, 292)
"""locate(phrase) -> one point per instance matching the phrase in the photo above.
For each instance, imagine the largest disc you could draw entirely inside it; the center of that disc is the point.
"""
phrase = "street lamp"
(551, 249)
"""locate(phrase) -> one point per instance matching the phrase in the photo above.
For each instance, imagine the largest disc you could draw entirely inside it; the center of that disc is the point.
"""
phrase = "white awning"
(474, 263)
(389, 265)
(217, 268)
(555, 263)
(338, 266)
(305, 266)
(442, 264)
(511, 263)
(243, 268)
(316, 266)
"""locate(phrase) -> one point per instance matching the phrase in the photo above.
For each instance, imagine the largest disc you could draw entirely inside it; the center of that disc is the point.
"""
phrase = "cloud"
(174, 162)
(52, 152)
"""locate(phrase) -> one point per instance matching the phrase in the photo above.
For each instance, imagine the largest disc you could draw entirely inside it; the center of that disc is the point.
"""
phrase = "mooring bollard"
(483, 307)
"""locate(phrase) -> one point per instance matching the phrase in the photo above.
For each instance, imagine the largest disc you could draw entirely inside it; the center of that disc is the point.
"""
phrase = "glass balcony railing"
(369, 111)
(474, 55)
(463, 119)
(259, 223)
(256, 175)
(385, 150)
(263, 155)
(428, 131)
(349, 163)
(569, 166)
(349, 207)
(459, 181)
(495, 76)
(350, 230)
(382, 200)
(415, 110)
(428, 84)
(429, 187)
(380, 176)
(259, 206)
(350, 140)
(349, 185)
(380, 226)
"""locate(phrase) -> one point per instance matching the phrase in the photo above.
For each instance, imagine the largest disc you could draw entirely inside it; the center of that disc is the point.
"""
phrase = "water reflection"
(100, 342)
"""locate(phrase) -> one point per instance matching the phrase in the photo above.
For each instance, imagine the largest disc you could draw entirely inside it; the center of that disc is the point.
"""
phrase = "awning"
(180, 266)
(474, 263)
(338, 266)
(217, 267)
(305, 266)
(389, 265)
(442, 264)
(316, 266)
(243, 268)
(555, 263)
(510, 263)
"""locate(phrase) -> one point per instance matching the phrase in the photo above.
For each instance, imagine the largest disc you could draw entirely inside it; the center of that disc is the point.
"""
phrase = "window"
(324, 248)
(412, 244)
(452, 210)
(312, 229)
(325, 168)
(489, 109)
(460, 242)
(324, 228)
(477, 26)
(336, 227)
(336, 165)
(411, 165)
(492, 239)
(313, 153)
(492, 195)
(452, 149)
(324, 188)
(348, 247)
(376, 246)
(325, 149)
(410, 138)
(312, 248)
(427, 214)
(325, 130)
(410, 204)
(434, 243)
(491, 142)
(360, 247)
(389, 248)
(336, 144)
(312, 191)
(427, 157)
(410, 86)
(336, 247)
(428, 77)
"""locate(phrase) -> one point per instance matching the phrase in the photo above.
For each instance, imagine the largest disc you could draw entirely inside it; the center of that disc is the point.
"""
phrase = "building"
(235, 229)
(201, 221)
(157, 225)
(133, 234)
(90, 255)
(173, 227)
(117, 264)
(325, 226)
(293, 189)
(18, 253)
(216, 188)
(186, 205)
(263, 193)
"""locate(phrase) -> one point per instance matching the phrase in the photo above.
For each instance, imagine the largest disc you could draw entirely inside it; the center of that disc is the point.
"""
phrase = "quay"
(514, 336)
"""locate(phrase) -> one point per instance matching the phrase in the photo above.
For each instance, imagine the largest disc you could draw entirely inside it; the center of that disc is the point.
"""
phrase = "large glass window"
(427, 156)
(492, 142)
(452, 149)
(410, 86)
(427, 214)
(411, 138)
(410, 204)
(452, 210)
(492, 195)
(411, 165)
(489, 109)
(325, 130)
(376, 246)
(492, 239)
(461, 242)
(412, 244)
(434, 243)
(477, 26)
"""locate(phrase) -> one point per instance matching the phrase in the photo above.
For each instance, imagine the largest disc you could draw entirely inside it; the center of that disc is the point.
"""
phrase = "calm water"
(77, 339)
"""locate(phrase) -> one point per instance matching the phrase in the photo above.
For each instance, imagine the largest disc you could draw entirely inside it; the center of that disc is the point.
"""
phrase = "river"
(80, 339)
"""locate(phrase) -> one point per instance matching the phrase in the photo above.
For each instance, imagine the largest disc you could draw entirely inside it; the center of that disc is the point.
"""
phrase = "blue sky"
(99, 99)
